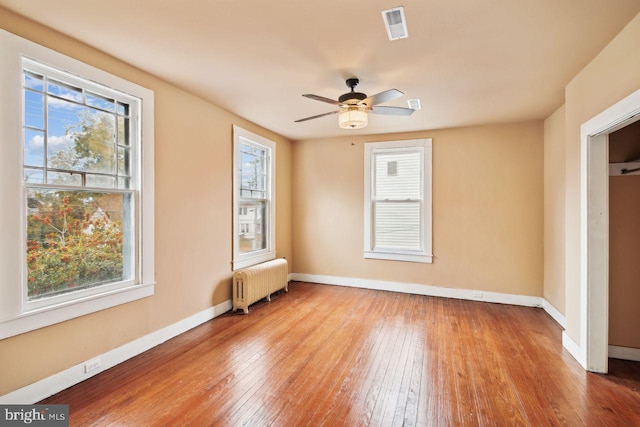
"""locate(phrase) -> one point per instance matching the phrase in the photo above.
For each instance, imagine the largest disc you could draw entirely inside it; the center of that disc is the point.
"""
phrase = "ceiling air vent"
(396, 23)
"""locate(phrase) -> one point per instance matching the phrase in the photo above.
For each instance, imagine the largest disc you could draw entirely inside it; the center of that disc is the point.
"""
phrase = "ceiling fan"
(355, 106)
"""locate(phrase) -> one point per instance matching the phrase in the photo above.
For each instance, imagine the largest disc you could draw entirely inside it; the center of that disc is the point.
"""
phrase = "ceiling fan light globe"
(353, 119)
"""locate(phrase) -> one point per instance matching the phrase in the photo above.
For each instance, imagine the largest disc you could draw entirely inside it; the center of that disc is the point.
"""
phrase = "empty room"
(329, 213)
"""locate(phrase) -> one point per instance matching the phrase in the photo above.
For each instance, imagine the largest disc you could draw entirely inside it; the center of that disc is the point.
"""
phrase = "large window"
(79, 163)
(254, 202)
(80, 212)
(398, 200)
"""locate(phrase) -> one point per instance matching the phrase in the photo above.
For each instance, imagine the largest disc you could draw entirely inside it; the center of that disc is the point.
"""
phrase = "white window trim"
(269, 253)
(15, 318)
(426, 254)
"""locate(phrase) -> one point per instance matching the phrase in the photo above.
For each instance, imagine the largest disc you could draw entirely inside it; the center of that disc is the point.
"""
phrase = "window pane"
(95, 144)
(123, 109)
(252, 169)
(64, 91)
(123, 183)
(100, 102)
(33, 81)
(63, 118)
(33, 148)
(123, 161)
(123, 131)
(397, 225)
(33, 109)
(33, 176)
(100, 181)
(76, 240)
(398, 175)
(80, 138)
(252, 221)
(65, 178)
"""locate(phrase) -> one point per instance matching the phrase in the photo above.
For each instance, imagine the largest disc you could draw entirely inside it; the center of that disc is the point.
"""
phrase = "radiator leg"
(246, 310)
(268, 297)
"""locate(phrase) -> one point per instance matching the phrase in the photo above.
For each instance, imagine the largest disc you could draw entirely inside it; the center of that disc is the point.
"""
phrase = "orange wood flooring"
(338, 356)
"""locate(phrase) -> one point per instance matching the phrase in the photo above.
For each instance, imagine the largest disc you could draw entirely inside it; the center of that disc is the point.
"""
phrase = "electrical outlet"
(92, 365)
(477, 294)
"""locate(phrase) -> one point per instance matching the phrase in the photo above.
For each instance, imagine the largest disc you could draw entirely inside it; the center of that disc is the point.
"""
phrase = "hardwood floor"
(337, 356)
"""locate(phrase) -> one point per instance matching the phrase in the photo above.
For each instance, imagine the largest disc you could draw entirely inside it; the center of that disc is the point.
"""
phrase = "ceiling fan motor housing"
(352, 97)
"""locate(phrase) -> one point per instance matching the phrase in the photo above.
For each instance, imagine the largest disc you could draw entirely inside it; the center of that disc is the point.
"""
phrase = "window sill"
(394, 256)
(40, 318)
(253, 260)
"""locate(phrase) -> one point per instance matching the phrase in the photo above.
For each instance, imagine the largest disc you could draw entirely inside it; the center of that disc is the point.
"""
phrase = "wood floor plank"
(336, 360)
(337, 356)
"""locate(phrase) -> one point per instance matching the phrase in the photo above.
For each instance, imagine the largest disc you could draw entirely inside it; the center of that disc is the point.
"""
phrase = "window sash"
(256, 241)
(411, 183)
(386, 232)
(124, 121)
(130, 254)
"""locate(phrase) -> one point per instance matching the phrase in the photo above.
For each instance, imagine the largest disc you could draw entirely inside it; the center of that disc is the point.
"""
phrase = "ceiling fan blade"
(386, 96)
(392, 111)
(321, 98)
(315, 117)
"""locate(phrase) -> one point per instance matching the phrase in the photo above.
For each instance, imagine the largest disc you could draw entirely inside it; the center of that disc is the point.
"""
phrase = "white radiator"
(259, 281)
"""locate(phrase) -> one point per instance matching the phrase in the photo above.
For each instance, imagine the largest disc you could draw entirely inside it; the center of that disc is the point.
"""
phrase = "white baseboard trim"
(417, 289)
(55, 383)
(624, 353)
(554, 313)
(574, 350)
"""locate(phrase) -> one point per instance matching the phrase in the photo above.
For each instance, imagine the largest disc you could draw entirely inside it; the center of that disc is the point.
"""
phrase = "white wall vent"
(415, 104)
(396, 23)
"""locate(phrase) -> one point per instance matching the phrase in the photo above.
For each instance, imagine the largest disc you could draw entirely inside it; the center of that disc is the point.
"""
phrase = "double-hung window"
(398, 200)
(79, 212)
(253, 198)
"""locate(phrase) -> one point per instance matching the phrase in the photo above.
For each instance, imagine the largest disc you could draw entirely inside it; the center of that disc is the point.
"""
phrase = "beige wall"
(193, 148)
(554, 209)
(612, 75)
(487, 215)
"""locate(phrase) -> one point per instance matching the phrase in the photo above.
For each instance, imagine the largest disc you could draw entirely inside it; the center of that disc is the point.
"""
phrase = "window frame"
(17, 315)
(241, 260)
(54, 74)
(425, 254)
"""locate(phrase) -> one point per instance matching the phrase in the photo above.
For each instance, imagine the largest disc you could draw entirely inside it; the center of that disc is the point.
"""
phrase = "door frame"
(594, 229)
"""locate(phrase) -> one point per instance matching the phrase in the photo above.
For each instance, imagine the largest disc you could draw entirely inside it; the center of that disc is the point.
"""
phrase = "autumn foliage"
(72, 243)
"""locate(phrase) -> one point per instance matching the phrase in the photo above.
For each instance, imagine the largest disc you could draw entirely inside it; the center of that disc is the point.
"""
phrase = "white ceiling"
(469, 61)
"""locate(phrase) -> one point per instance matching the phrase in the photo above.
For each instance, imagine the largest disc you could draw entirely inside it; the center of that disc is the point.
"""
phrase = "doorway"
(594, 228)
(624, 243)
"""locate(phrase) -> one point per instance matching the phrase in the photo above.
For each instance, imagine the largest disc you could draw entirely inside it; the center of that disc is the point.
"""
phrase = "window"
(398, 200)
(253, 198)
(80, 213)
